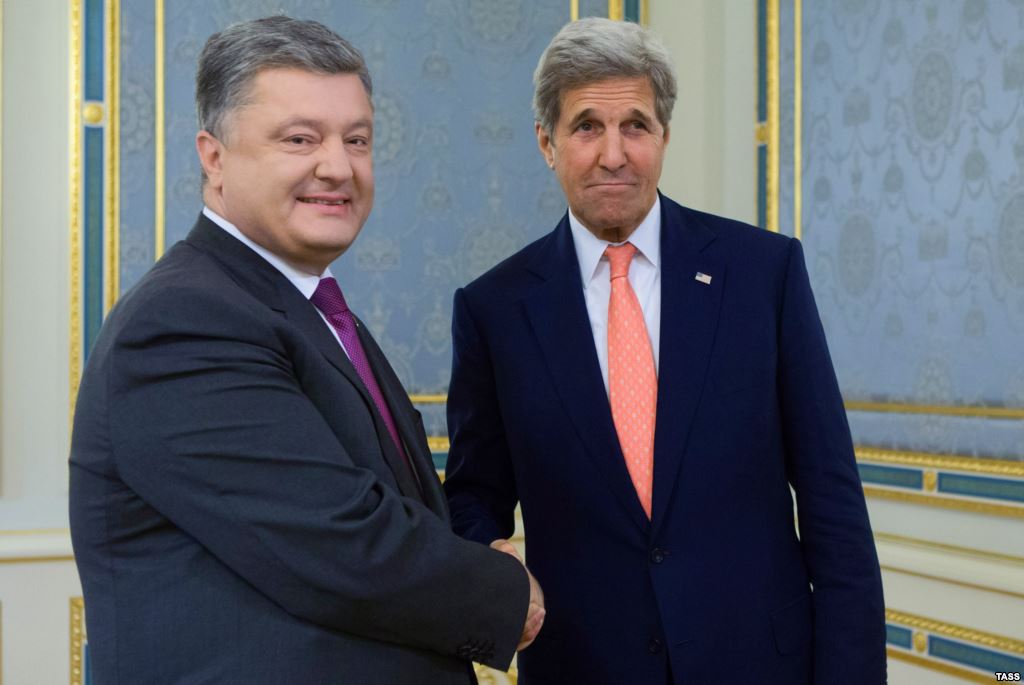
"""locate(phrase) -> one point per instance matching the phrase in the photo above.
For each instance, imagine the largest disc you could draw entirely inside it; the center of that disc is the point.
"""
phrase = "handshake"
(535, 612)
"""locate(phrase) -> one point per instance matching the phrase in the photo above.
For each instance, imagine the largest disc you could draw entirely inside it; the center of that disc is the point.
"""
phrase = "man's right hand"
(535, 612)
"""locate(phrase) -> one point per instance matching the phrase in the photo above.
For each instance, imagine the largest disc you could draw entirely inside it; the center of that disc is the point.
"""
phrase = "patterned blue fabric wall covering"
(460, 184)
(913, 209)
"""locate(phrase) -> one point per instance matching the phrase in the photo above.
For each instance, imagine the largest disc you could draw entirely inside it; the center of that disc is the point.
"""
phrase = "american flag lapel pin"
(703, 278)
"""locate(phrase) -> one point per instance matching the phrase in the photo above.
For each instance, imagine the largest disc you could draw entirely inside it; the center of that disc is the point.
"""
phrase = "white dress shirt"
(306, 283)
(644, 277)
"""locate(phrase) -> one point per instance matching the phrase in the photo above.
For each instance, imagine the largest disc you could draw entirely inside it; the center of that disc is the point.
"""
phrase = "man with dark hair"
(252, 497)
(649, 381)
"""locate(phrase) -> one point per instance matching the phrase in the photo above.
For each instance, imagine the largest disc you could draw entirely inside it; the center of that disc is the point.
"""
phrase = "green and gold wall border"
(959, 411)
(947, 648)
(985, 486)
(95, 182)
(79, 659)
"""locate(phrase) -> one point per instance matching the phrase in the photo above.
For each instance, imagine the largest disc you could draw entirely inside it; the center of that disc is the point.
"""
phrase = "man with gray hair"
(650, 382)
(252, 496)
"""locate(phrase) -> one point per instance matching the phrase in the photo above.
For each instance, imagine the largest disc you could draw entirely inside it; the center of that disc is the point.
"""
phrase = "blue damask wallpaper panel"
(913, 210)
(460, 183)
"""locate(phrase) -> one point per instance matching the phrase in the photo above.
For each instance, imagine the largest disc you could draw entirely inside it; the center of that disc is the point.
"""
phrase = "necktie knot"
(619, 259)
(328, 298)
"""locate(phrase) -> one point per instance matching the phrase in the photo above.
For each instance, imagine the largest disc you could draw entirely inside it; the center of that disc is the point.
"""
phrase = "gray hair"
(595, 49)
(232, 59)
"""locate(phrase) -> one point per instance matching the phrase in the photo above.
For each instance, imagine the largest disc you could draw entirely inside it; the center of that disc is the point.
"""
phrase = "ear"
(664, 136)
(547, 147)
(211, 156)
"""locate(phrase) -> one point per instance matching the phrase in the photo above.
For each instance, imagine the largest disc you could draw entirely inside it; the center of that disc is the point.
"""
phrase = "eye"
(585, 126)
(360, 141)
(638, 126)
(298, 140)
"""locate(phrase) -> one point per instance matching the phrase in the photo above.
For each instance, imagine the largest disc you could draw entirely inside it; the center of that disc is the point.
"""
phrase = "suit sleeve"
(479, 479)
(242, 460)
(835, 534)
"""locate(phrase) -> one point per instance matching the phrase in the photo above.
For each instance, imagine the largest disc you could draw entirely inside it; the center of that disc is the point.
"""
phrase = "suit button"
(654, 646)
(657, 555)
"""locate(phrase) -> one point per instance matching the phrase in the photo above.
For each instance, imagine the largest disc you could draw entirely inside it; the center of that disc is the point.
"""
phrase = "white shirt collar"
(305, 282)
(590, 249)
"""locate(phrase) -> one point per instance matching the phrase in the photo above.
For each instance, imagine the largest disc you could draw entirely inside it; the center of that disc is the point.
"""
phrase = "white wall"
(710, 163)
(37, 576)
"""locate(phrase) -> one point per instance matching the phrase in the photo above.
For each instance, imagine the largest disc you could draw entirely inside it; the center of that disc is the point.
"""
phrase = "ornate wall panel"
(911, 209)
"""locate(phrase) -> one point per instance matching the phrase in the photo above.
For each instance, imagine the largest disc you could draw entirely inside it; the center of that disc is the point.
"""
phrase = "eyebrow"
(315, 124)
(589, 113)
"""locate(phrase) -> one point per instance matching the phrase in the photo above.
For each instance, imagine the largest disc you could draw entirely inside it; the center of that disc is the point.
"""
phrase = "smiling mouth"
(315, 201)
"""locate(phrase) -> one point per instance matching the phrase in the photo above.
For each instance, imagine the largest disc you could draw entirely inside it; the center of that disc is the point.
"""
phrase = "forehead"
(291, 92)
(609, 96)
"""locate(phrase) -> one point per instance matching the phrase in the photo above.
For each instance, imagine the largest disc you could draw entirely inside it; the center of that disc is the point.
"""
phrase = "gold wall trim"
(428, 399)
(36, 531)
(1001, 643)
(645, 12)
(616, 10)
(75, 207)
(77, 632)
(941, 667)
(437, 443)
(772, 70)
(36, 559)
(944, 462)
(972, 506)
(111, 227)
(574, 10)
(946, 548)
(798, 118)
(938, 409)
(951, 581)
(160, 204)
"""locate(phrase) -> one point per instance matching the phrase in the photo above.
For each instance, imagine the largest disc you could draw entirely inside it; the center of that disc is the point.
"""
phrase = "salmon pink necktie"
(632, 381)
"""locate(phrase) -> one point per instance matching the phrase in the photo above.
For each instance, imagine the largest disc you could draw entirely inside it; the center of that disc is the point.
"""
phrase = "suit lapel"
(267, 284)
(558, 314)
(428, 488)
(689, 320)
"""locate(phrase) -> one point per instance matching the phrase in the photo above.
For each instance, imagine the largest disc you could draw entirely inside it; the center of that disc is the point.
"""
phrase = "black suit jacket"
(238, 510)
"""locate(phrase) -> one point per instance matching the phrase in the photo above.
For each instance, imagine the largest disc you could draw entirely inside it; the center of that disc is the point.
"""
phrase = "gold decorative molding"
(36, 559)
(616, 10)
(574, 10)
(977, 637)
(931, 481)
(942, 462)
(437, 443)
(798, 117)
(93, 113)
(488, 676)
(951, 581)
(75, 230)
(920, 641)
(945, 548)
(971, 412)
(428, 399)
(941, 667)
(772, 70)
(77, 640)
(112, 177)
(159, 138)
(973, 506)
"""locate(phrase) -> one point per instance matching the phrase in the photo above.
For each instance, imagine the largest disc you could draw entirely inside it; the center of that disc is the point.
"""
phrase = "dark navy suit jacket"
(238, 510)
(717, 587)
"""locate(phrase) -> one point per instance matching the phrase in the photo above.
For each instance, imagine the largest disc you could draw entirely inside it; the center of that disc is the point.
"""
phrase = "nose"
(613, 151)
(333, 164)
